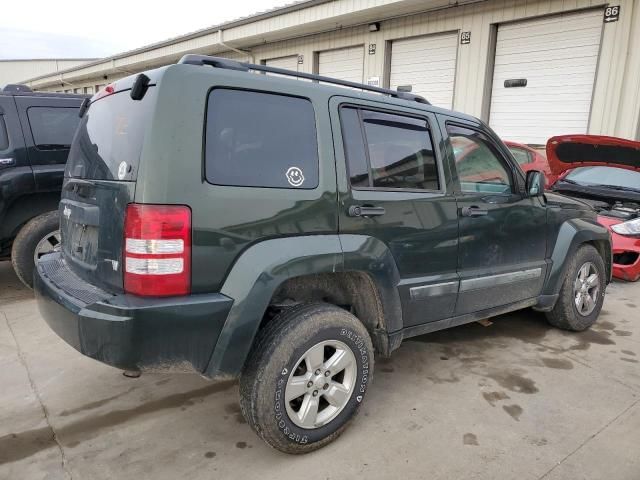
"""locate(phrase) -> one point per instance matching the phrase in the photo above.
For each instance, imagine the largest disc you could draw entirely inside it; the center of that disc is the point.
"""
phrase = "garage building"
(530, 68)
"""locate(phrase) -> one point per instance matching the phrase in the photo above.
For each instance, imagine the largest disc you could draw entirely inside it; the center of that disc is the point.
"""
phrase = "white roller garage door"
(558, 57)
(428, 64)
(290, 62)
(344, 64)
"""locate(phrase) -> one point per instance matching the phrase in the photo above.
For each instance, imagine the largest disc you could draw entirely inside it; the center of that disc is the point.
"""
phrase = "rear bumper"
(125, 331)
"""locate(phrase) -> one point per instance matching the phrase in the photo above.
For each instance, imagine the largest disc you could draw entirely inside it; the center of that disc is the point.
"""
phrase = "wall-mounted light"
(374, 27)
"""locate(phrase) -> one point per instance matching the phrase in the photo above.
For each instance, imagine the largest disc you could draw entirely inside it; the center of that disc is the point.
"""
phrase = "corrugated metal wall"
(616, 99)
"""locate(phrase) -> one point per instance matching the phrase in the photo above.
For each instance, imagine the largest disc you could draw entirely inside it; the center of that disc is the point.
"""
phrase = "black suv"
(234, 224)
(36, 130)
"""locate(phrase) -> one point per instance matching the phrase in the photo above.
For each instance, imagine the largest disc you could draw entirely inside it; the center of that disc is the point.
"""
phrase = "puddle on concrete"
(513, 380)
(241, 445)
(210, 454)
(630, 360)
(622, 333)
(235, 410)
(96, 404)
(589, 337)
(558, 363)
(21, 445)
(514, 411)
(628, 352)
(493, 397)
(470, 439)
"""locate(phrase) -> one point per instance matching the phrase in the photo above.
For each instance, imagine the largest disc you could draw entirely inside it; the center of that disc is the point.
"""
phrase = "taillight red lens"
(157, 250)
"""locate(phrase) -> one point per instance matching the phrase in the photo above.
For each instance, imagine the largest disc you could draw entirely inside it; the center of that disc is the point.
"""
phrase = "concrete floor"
(517, 399)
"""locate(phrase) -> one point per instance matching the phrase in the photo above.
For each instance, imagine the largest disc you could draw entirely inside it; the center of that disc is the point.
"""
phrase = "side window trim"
(494, 149)
(437, 158)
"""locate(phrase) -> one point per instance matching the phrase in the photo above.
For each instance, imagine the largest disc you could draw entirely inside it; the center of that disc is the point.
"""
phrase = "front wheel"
(582, 293)
(306, 377)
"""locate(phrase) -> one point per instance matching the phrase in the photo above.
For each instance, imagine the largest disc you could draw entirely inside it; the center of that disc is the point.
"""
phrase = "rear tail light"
(157, 250)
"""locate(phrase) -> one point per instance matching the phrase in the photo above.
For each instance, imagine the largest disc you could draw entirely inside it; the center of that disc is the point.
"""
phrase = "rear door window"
(256, 139)
(53, 127)
(4, 135)
(388, 151)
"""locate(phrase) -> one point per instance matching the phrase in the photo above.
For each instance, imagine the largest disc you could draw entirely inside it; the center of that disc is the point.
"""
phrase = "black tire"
(278, 348)
(25, 243)
(565, 314)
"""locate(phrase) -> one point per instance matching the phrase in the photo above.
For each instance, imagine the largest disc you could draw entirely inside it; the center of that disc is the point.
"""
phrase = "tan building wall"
(16, 71)
(615, 108)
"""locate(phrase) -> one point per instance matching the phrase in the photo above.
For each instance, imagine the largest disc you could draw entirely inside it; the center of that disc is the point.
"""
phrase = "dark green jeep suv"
(281, 231)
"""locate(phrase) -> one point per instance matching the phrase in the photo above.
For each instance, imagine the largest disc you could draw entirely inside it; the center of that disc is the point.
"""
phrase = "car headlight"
(632, 227)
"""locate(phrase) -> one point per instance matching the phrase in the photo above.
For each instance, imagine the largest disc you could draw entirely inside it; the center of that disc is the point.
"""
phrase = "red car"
(530, 159)
(604, 172)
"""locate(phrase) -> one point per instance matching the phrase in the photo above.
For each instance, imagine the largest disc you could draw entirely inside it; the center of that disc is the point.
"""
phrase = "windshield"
(614, 176)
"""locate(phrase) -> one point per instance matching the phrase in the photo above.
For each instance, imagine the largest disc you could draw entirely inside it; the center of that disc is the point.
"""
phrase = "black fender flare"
(572, 234)
(264, 266)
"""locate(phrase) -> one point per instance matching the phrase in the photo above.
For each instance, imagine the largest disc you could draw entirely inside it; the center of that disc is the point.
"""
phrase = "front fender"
(573, 233)
(265, 266)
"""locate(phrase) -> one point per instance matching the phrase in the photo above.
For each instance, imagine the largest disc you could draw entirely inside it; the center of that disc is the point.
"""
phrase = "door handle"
(473, 211)
(365, 211)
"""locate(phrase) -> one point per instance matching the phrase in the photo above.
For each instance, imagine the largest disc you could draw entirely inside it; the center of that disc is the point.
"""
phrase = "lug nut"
(318, 372)
(327, 373)
(310, 384)
(315, 393)
(325, 386)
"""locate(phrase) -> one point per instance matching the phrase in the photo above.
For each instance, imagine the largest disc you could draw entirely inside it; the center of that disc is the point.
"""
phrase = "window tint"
(260, 140)
(111, 134)
(398, 154)
(479, 167)
(354, 147)
(53, 128)
(521, 155)
(4, 136)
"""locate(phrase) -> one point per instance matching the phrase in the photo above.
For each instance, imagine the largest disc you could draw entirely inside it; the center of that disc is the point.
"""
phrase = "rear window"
(4, 136)
(53, 127)
(109, 141)
(260, 140)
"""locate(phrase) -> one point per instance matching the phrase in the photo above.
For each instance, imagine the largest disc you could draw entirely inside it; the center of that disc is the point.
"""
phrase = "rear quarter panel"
(228, 219)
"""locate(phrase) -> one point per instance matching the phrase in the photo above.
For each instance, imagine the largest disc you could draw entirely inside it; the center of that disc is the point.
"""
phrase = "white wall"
(16, 71)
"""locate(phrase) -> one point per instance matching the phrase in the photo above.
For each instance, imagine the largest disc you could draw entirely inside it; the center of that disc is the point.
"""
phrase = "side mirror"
(535, 183)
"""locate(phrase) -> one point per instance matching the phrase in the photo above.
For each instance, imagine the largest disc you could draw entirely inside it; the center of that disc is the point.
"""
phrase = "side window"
(53, 127)
(4, 135)
(479, 166)
(521, 155)
(388, 151)
(260, 140)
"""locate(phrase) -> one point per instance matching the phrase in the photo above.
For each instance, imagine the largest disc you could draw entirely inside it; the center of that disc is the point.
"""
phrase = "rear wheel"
(306, 377)
(582, 293)
(39, 236)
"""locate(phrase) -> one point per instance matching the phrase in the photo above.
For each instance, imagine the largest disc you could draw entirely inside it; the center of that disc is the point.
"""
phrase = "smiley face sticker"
(294, 176)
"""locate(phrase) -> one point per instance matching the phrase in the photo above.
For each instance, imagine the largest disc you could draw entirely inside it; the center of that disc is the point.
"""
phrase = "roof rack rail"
(219, 62)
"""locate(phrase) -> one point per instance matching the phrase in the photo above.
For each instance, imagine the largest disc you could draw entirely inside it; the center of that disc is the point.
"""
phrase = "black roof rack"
(219, 62)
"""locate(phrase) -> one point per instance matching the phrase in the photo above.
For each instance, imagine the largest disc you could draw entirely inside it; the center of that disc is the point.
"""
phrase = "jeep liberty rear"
(285, 232)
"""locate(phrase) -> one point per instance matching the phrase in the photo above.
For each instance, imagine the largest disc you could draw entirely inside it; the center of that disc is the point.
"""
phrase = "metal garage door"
(558, 57)
(290, 62)
(344, 64)
(428, 64)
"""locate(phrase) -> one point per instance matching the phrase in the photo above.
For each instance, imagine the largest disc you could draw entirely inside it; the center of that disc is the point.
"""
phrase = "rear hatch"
(100, 180)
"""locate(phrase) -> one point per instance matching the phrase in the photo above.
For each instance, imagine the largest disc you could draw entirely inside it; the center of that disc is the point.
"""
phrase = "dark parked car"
(604, 172)
(285, 232)
(36, 130)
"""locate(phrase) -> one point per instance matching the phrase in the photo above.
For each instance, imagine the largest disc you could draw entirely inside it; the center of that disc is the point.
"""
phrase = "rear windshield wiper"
(53, 146)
